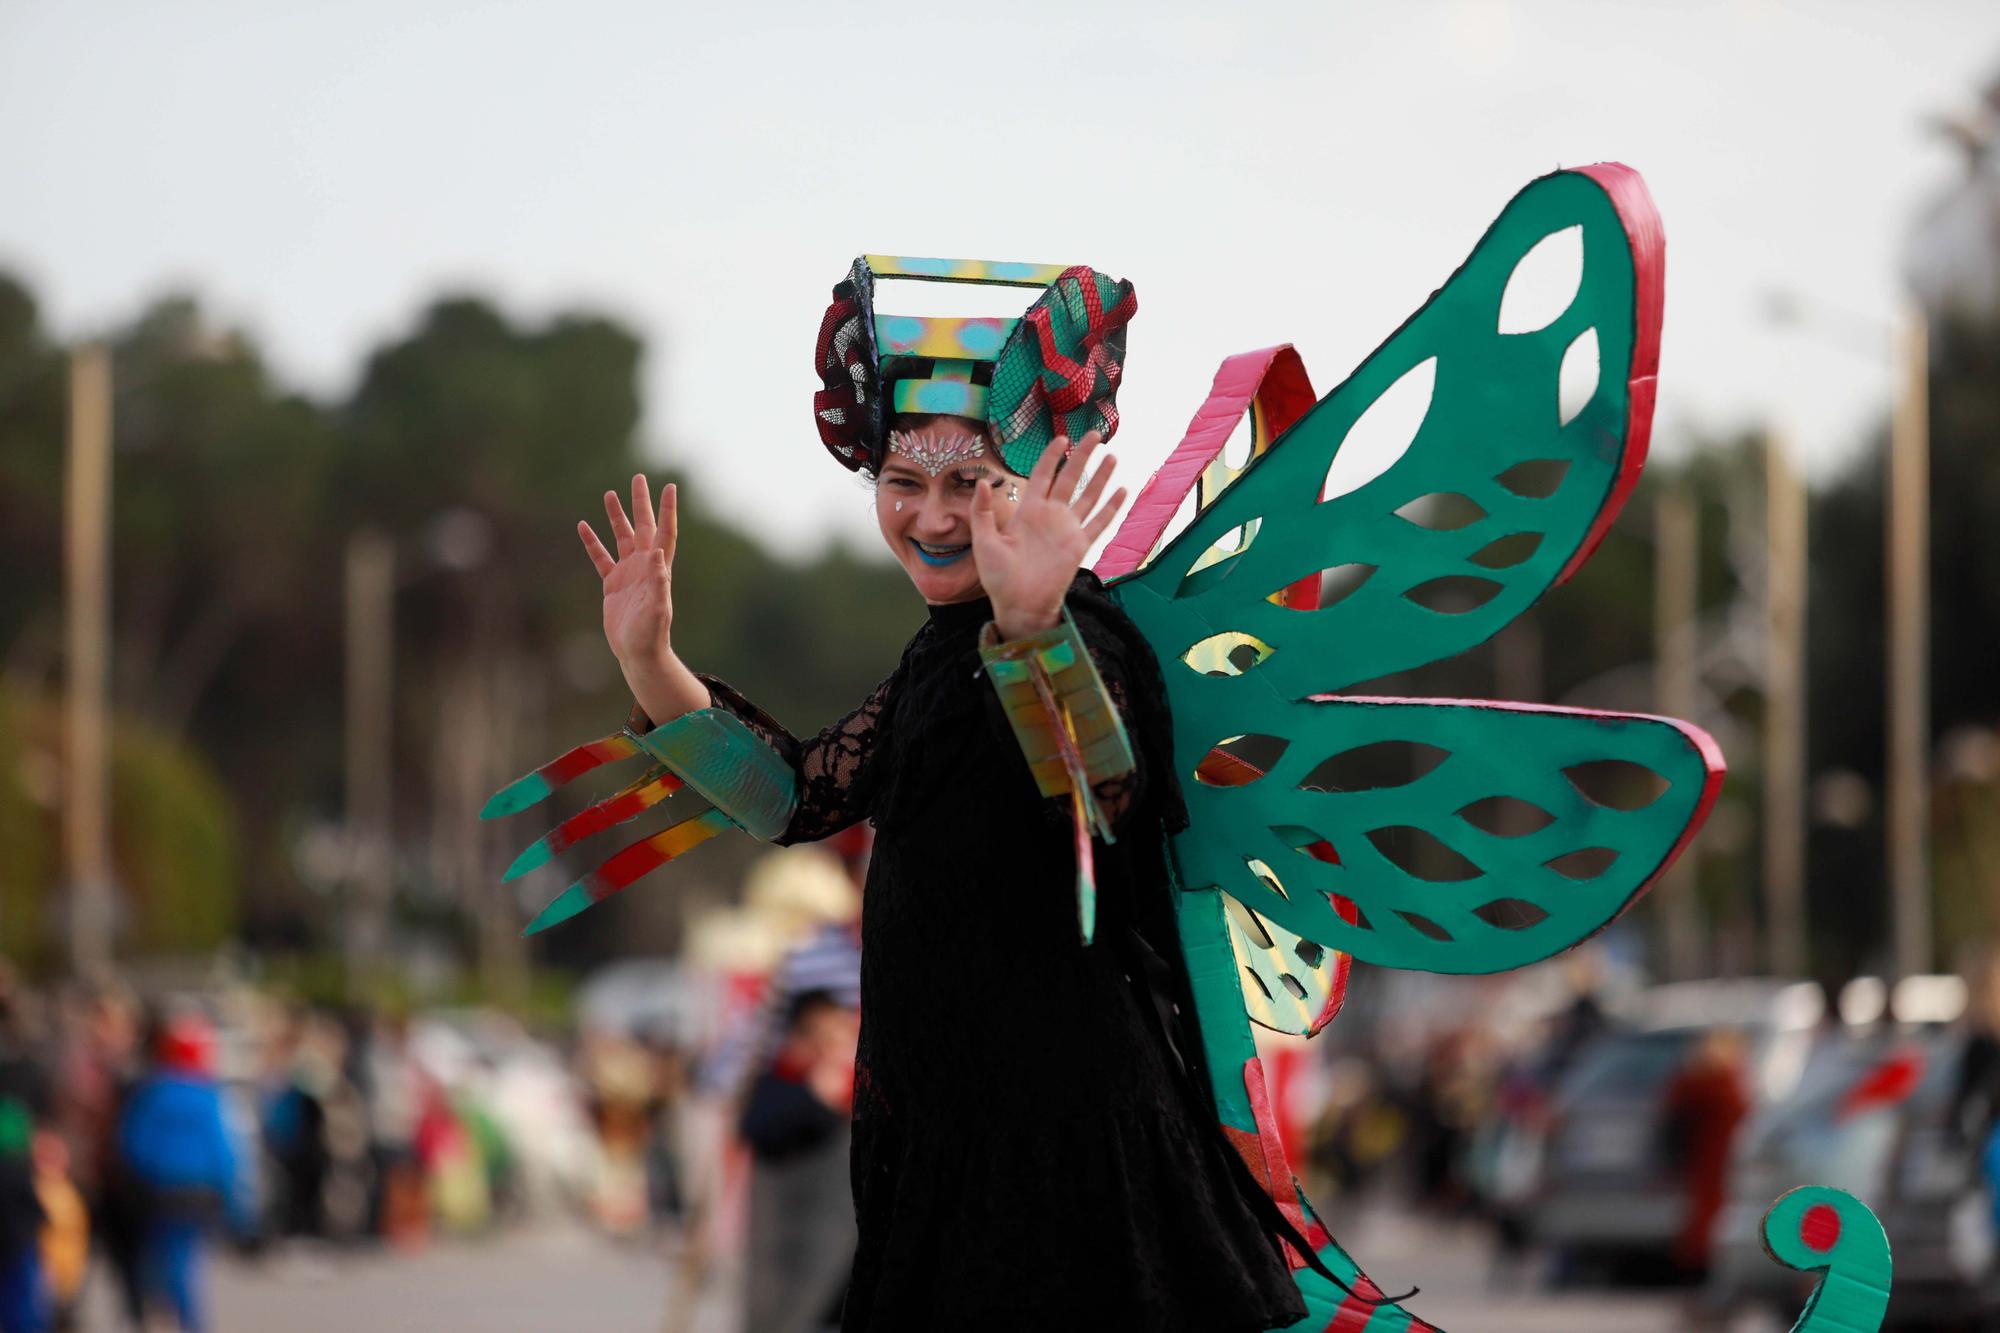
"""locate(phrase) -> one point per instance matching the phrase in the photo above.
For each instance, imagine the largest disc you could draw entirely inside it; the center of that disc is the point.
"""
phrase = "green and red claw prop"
(745, 783)
(1069, 732)
(537, 786)
(630, 801)
(628, 865)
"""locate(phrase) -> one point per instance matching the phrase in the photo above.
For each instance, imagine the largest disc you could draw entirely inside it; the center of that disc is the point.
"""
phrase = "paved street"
(569, 1280)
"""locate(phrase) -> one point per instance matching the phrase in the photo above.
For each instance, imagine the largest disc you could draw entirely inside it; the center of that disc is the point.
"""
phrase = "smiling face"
(923, 502)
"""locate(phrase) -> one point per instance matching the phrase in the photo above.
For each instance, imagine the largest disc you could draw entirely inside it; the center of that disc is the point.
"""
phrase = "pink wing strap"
(1274, 375)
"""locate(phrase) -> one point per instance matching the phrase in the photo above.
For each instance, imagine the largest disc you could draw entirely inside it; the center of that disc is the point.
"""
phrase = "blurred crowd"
(1573, 1123)
(136, 1134)
(703, 1107)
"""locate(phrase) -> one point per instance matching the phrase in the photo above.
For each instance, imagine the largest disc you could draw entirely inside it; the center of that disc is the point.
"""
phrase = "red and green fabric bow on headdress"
(1054, 371)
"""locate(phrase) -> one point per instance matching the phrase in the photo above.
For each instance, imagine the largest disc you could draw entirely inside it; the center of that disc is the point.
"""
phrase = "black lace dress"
(1028, 1152)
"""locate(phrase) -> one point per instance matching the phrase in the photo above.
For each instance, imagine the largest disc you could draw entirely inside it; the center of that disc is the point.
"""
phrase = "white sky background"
(1304, 173)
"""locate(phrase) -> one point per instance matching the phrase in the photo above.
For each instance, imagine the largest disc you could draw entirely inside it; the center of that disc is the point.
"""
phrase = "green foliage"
(174, 838)
(175, 844)
(27, 842)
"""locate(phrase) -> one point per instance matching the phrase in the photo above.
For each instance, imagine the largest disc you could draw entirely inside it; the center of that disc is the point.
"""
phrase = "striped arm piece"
(1069, 732)
(718, 756)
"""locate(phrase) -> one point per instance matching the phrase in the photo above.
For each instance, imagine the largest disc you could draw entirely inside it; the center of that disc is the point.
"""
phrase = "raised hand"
(1028, 552)
(639, 599)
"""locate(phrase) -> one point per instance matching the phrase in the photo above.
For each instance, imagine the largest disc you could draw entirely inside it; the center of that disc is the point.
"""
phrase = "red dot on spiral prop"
(1819, 1229)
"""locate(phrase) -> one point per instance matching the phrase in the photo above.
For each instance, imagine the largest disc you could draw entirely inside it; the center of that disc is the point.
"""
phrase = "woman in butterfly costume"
(1106, 835)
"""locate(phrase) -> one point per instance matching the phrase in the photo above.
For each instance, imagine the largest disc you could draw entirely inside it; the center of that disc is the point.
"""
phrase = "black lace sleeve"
(836, 777)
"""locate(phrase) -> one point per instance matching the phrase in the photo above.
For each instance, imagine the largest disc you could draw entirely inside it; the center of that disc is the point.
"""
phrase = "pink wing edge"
(1277, 371)
(1633, 203)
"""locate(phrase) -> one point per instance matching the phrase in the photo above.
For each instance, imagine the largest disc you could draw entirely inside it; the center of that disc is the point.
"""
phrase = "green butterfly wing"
(1500, 492)
(1530, 830)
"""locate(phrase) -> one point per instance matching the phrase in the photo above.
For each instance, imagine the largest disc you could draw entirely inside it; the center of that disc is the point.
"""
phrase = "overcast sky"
(1304, 173)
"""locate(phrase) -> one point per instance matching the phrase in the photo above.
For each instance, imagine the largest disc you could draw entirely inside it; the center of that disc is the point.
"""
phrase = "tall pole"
(1908, 604)
(87, 657)
(1676, 567)
(1784, 710)
(371, 590)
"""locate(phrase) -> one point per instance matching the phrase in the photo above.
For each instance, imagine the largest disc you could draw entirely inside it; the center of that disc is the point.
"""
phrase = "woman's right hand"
(639, 600)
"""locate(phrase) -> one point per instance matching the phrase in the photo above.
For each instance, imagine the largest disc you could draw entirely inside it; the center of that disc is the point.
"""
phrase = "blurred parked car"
(1611, 1187)
(1872, 1115)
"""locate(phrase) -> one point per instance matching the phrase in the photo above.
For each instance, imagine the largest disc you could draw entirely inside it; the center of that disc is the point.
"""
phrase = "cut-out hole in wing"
(1454, 594)
(1383, 433)
(1426, 927)
(1510, 914)
(1267, 876)
(1507, 552)
(1247, 921)
(1299, 985)
(1307, 841)
(1584, 862)
(1442, 511)
(1374, 766)
(1230, 653)
(1544, 284)
(1422, 855)
(1217, 559)
(1239, 760)
(1577, 380)
(1506, 816)
(1336, 583)
(1535, 478)
(1616, 784)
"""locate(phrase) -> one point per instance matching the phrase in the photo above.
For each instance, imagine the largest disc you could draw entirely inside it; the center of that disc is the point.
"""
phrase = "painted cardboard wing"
(1437, 835)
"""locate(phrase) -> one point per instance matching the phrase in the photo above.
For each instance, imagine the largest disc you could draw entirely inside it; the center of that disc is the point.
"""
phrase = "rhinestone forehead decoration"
(934, 452)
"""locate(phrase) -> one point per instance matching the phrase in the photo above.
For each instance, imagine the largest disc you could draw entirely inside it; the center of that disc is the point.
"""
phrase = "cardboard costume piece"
(1520, 830)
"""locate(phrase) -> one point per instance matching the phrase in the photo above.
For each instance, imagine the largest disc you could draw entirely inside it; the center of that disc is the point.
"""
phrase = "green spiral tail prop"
(1830, 1232)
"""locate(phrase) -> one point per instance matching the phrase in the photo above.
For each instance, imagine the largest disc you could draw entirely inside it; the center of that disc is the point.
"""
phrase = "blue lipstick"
(947, 556)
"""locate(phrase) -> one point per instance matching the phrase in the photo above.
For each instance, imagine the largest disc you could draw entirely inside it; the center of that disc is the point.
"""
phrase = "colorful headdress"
(1054, 371)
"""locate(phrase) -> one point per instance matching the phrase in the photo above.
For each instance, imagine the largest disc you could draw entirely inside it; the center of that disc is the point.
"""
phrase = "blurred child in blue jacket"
(175, 1140)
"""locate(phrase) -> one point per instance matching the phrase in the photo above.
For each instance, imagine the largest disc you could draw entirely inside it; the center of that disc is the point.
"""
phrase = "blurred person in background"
(25, 1305)
(617, 1075)
(24, 1289)
(1449, 1101)
(666, 1202)
(175, 1140)
(65, 1243)
(801, 1214)
(294, 1123)
(1705, 1104)
(795, 1121)
(392, 1088)
(1974, 1114)
(99, 1066)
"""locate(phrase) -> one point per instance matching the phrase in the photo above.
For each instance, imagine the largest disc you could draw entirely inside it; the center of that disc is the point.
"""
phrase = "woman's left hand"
(1029, 551)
